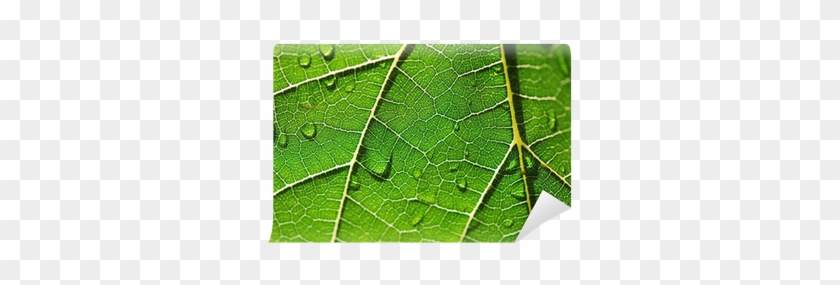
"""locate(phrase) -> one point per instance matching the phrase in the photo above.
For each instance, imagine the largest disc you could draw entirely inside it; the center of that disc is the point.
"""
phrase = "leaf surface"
(417, 143)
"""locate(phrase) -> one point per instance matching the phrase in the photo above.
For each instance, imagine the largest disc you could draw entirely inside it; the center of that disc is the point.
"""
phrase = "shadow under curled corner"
(547, 208)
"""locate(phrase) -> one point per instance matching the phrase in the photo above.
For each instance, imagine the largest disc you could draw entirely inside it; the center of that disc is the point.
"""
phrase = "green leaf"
(417, 143)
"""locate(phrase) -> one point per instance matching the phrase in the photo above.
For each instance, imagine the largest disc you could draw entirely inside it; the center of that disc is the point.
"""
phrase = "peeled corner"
(546, 208)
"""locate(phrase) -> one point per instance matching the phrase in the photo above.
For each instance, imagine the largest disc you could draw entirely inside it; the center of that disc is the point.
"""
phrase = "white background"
(135, 142)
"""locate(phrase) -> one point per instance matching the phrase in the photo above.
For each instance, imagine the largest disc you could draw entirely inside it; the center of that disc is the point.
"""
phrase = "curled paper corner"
(546, 208)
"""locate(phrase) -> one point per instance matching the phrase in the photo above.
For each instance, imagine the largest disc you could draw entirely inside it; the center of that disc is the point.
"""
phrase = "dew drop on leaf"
(552, 122)
(330, 81)
(518, 193)
(563, 169)
(380, 168)
(417, 218)
(304, 60)
(507, 223)
(282, 141)
(427, 197)
(497, 68)
(461, 183)
(513, 164)
(529, 162)
(355, 185)
(416, 174)
(308, 131)
(457, 126)
(473, 225)
(453, 168)
(326, 50)
(349, 88)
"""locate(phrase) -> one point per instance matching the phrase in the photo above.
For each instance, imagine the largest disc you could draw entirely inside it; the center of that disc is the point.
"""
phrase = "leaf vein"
(486, 189)
(310, 177)
(331, 73)
(362, 138)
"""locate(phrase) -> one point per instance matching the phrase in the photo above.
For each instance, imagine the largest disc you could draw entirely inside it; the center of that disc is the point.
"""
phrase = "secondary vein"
(355, 159)
(486, 189)
(560, 132)
(307, 178)
(545, 165)
(331, 73)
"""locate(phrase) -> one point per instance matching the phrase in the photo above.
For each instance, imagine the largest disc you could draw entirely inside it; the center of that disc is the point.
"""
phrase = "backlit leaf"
(417, 143)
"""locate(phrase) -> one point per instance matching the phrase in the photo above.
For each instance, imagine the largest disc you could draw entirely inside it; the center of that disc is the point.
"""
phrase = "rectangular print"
(418, 143)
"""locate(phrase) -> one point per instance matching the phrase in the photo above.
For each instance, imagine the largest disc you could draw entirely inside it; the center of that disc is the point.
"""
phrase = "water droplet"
(349, 88)
(416, 174)
(380, 167)
(453, 168)
(507, 223)
(304, 60)
(417, 218)
(562, 169)
(518, 194)
(326, 50)
(473, 225)
(355, 185)
(427, 197)
(513, 164)
(497, 68)
(457, 126)
(281, 140)
(309, 131)
(461, 183)
(330, 81)
(529, 162)
(552, 124)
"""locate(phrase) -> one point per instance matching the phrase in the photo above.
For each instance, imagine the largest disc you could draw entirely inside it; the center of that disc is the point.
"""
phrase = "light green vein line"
(517, 137)
(331, 73)
(362, 138)
(486, 189)
(545, 165)
(307, 178)
(560, 132)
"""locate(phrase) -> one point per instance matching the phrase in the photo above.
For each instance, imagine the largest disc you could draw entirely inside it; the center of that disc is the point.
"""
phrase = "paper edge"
(546, 208)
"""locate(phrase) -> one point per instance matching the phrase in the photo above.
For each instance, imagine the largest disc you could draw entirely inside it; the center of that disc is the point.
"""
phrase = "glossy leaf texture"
(417, 143)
